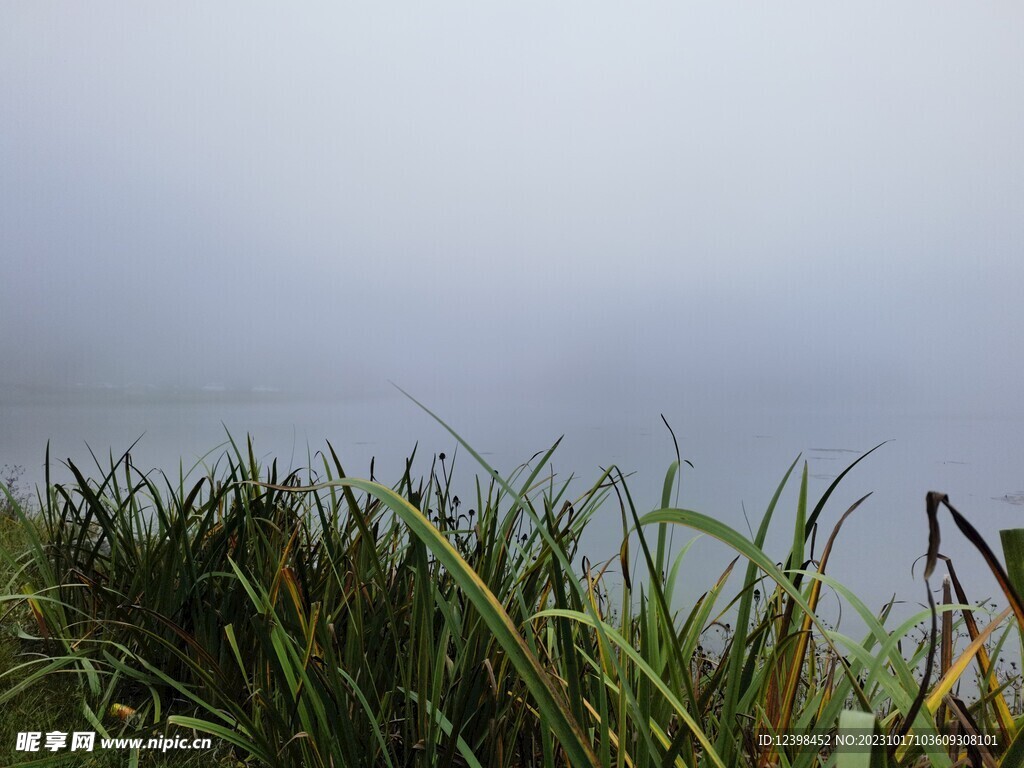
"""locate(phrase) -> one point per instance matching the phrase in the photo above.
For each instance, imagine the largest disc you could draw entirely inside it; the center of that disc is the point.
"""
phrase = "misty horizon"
(784, 204)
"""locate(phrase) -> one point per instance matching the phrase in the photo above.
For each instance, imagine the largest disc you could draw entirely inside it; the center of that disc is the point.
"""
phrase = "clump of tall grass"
(314, 619)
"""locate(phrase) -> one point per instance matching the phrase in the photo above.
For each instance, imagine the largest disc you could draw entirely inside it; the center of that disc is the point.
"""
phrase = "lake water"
(739, 455)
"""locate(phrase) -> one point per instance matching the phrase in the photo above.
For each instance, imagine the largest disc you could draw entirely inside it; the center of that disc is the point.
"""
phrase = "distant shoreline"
(130, 394)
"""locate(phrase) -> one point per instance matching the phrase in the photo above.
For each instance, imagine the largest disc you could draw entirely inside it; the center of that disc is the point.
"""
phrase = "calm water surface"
(739, 454)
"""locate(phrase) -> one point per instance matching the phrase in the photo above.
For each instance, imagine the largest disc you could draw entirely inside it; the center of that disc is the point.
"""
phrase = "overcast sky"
(821, 199)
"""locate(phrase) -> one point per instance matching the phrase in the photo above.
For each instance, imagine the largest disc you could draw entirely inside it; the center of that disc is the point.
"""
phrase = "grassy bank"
(313, 619)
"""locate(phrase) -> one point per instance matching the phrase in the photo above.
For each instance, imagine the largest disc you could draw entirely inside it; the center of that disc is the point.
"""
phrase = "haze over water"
(789, 229)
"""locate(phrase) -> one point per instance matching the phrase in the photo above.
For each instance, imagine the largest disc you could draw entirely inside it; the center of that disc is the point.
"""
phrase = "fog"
(795, 201)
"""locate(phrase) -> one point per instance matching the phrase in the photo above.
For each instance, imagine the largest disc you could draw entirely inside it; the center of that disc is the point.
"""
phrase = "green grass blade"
(551, 703)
